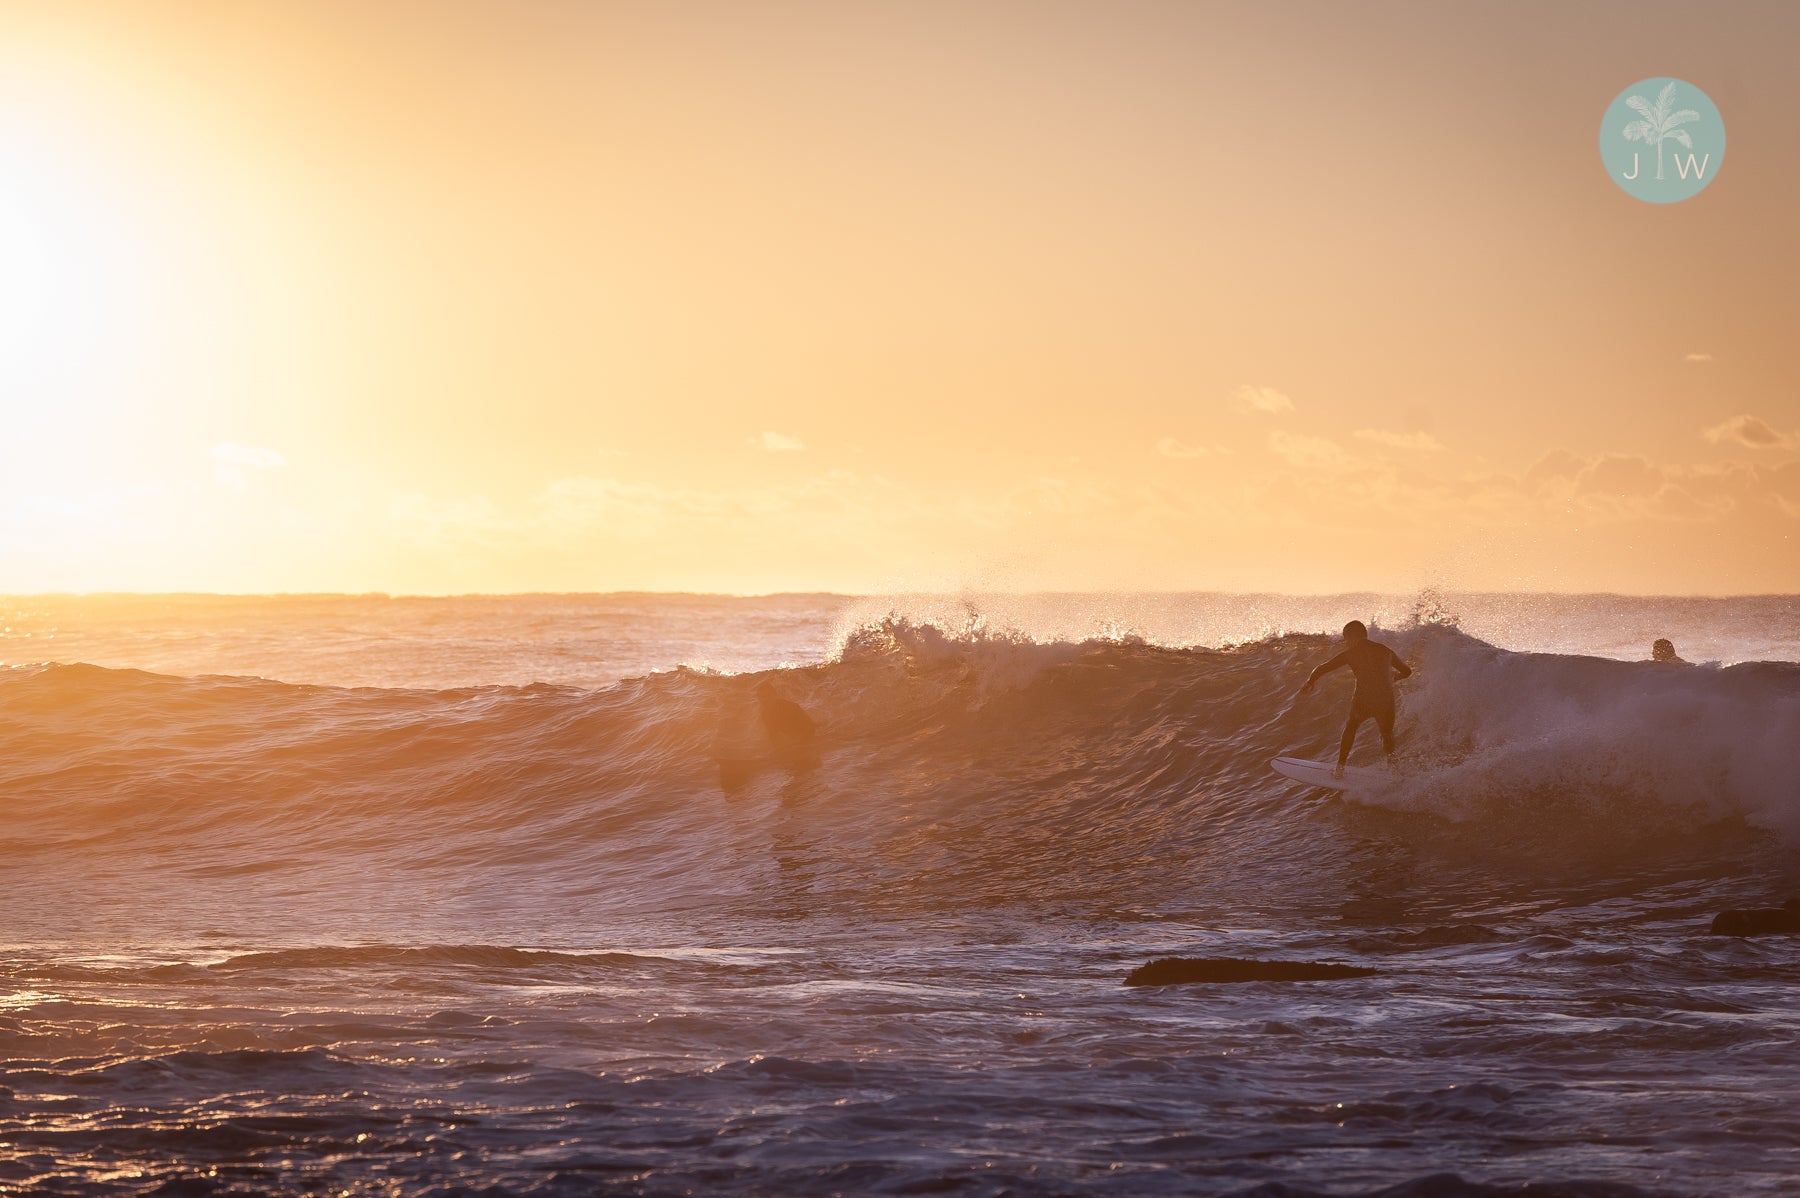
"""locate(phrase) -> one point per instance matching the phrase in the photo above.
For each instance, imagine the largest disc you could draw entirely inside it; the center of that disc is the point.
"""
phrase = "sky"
(533, 296)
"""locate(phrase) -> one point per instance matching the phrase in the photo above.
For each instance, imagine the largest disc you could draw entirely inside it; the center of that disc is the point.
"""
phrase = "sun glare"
(607, 298)
(76, 290)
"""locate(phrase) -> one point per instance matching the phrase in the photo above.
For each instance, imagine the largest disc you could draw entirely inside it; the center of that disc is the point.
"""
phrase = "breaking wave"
(955, 767)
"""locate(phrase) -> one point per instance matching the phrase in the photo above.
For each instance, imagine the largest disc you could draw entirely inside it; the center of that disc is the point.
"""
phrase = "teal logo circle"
(1662, 140)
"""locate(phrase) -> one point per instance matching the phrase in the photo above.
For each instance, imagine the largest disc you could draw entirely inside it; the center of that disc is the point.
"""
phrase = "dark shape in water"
(1449, 1185)
(1168, 971)
(1758, 921)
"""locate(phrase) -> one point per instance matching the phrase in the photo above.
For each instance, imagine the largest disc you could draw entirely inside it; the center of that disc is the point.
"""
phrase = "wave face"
(954, 770)
(553, 939)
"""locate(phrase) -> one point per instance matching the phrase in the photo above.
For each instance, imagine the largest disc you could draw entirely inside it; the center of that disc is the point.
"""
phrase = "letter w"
(1699, 171)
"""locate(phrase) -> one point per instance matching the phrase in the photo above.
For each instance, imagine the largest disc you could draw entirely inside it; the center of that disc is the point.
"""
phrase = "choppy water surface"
(283, 936)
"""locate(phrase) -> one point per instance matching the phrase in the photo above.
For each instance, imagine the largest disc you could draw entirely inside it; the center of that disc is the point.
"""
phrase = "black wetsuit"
(1375, 666)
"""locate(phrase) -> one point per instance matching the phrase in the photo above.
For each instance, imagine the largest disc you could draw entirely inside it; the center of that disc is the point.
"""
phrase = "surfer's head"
(1355, 631)
(1662, 650)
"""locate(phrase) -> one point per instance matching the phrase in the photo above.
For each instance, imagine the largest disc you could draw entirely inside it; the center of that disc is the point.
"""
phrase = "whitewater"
(505, 895)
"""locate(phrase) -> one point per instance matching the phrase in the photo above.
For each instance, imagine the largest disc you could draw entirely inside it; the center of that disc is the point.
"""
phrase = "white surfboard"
(1318, 773)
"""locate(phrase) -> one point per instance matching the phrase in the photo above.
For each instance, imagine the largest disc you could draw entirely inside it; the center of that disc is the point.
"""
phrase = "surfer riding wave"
(1376, 667)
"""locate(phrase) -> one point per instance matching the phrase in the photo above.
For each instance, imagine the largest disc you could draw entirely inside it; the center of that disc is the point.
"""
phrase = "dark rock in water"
(1168, 971)
(1758, 921)
(1449, 1185)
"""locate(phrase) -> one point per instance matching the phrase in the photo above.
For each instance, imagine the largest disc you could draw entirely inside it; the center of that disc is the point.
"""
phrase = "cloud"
(1311, 453)
(1556, 463)
(1784, 487)
(1698, 358)
(1327, 486)
(1621, 486)
(1619, 474)
(779, 443)
(232, 463)
(1748, 431)
(1261, 399)
(1422, 442)
(1169, 447)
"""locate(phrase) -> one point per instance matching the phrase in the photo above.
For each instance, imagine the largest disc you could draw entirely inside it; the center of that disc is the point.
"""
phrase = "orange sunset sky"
(444, 297)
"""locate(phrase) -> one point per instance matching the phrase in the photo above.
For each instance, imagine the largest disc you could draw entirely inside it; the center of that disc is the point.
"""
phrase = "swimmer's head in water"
(1662, 650)
(1355, 631)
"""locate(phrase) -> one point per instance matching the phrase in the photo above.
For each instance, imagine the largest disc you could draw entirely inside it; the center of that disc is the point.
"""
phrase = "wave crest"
(958, 765)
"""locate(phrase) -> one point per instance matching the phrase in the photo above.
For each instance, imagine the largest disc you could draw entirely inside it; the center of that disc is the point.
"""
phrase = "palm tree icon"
(1659, 122)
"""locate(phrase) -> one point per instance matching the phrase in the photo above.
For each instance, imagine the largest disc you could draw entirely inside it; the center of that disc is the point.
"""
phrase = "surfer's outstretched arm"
(1401, 669)
(1338, 662)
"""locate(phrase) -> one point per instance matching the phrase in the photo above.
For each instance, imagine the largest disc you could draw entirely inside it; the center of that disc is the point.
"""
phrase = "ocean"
(505, 895)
